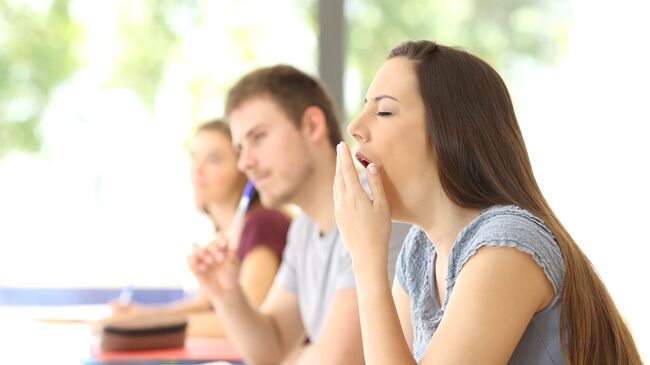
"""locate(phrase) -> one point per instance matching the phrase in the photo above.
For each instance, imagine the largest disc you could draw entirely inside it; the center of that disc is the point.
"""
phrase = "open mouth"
(363, 160)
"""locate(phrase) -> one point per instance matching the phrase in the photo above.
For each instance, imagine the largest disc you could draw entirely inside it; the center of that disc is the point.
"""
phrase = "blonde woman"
(218, 186)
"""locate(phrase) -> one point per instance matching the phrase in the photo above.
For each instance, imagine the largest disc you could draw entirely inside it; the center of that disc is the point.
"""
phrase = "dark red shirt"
(266, 227)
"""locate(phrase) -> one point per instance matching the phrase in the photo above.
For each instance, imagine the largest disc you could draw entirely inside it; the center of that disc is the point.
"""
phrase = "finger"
(222, 243)
(218, 244)
(116, 307)
(208, 259)
(212, 248)
(217, 251)
(350, 176)
(335, 187)
(192, 260)
(201, 256)
(339, 182)
(198, 252)
(231, 259)
(376, 186)
(193, 263)
(219, 256)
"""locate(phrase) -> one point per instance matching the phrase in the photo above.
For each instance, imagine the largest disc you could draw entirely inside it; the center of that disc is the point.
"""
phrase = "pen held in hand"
(218, 249)
(244, 202)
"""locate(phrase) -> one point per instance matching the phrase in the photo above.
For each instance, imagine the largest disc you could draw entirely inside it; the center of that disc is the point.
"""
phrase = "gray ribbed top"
(498, 226)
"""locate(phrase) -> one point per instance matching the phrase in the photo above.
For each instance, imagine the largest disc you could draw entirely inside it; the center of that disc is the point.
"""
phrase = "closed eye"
(383, 114)
(214, 158)
(258, 136)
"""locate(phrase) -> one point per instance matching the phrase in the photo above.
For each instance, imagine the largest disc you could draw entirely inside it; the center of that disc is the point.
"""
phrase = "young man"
(284, 124)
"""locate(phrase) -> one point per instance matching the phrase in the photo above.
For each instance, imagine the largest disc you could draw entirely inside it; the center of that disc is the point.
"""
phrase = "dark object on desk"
(195, 351)
(143, 333)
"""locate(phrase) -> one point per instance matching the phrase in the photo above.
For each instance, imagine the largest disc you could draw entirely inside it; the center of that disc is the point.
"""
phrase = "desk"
(61, 335)
(28, 341)
(196, 351)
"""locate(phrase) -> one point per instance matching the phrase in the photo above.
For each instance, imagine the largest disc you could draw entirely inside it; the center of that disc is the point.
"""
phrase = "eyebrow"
(253, 130)
(378, 98)
(248, 135)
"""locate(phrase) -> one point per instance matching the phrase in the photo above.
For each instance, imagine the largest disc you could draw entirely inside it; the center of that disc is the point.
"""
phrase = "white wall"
(587, 127)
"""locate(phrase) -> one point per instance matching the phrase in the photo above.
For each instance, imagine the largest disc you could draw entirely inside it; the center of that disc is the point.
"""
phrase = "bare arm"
(257, 272)
(267, 335)
(495, 296)
(197, 303)
(263, 336)
(403, 306)
(365, 227)
(383, 336)
(494, 299)
(339, 341)
(197, 309)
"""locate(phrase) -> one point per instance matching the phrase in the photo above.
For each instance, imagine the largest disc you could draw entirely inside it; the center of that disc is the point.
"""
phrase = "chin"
(277, 200)
(397, 212)
(199, 201)
(269, 201)
(399, 217)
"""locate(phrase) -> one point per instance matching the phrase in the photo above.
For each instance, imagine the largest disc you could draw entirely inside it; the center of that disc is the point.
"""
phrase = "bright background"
(97, 100)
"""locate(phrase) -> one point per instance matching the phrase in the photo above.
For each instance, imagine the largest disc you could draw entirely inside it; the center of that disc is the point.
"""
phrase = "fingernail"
(372, 169)
(339, 147)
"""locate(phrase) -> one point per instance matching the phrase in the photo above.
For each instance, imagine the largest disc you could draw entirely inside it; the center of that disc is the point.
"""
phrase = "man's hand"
(216, 267)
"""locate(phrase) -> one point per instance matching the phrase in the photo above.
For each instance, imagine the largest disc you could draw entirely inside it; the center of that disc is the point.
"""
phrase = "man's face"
(274, 153)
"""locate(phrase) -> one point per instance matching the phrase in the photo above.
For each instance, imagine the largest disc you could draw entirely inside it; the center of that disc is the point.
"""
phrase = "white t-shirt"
(315, 267)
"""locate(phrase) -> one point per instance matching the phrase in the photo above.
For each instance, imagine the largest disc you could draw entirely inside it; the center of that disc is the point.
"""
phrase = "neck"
(315, 196)
(443, 223)
(222, 213)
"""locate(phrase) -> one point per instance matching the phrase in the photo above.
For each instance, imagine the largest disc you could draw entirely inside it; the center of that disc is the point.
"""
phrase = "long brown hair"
(482, 161)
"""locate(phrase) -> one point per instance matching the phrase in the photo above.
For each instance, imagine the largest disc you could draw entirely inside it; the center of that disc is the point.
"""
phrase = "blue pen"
(125, 296)
(245, 200)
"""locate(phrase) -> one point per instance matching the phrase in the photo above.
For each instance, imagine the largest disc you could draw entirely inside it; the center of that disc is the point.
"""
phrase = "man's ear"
(314, 124)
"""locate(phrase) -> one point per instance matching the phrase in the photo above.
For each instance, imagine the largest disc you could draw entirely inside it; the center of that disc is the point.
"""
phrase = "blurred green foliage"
(41, 48)
(502, 32)
(148, 37)
(38, 50)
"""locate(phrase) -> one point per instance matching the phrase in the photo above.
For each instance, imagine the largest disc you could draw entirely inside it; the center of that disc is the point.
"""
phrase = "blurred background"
(98, 99)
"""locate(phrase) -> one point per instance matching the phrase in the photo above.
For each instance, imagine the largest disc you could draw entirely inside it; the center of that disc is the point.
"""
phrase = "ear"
(314, 124)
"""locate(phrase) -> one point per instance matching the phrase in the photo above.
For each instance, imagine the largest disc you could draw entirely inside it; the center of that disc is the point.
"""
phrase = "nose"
(196, 168)
(358, 130)
(246, 160)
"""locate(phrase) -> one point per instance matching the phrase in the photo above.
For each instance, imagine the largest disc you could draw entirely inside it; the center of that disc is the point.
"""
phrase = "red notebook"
(195, 350)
